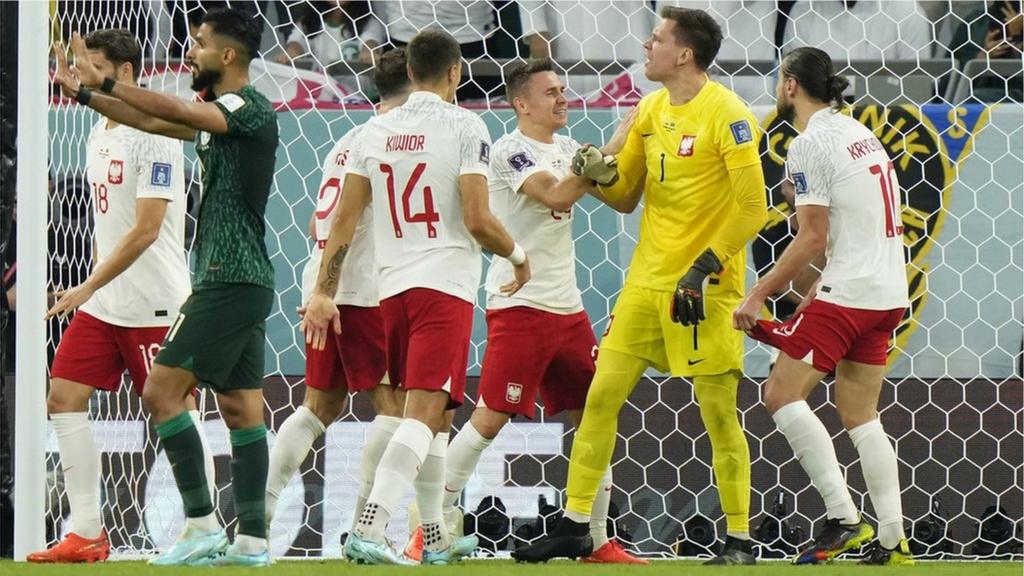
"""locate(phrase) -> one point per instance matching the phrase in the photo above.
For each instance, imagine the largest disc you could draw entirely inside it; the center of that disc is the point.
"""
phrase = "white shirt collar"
(424, 96)
(822, 114)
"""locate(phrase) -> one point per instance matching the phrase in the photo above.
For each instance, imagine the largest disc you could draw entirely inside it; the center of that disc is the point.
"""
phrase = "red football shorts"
(824, 333)
(354, 359)
(530, 350)
(95, 353)
(427, 335)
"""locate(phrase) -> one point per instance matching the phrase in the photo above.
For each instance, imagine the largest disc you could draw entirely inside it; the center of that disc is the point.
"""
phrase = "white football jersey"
(358, 284)
(124, 165)
(413, 157)
(839, 163)
(545, 234)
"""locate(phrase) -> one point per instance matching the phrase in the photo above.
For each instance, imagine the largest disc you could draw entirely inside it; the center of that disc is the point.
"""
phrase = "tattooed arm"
(320, 310)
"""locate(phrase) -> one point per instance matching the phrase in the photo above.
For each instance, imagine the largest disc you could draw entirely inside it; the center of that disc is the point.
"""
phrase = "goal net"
(947, 110)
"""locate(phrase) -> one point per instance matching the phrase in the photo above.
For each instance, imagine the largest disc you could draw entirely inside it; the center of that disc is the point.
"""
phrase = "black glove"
(688, 299)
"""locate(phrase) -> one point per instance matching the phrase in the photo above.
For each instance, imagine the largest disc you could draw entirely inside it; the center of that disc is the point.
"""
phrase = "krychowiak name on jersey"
(837, 162)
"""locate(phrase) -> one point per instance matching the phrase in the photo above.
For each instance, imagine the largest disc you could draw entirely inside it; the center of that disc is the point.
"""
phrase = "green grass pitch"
(508, 568)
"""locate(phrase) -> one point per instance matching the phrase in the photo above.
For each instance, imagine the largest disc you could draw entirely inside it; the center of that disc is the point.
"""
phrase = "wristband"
(83, 96)
(108, 85)
(518, 255)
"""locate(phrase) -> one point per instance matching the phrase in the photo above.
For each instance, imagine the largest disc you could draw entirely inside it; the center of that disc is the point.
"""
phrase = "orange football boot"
(414, 549)
(73, 548)
(613, 553)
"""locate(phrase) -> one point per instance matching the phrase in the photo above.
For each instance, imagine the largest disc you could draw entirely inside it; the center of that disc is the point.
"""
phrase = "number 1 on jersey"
(891, 198)
(428, 216)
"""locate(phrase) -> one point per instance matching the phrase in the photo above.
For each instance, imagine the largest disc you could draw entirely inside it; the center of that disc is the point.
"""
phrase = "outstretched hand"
(618, 139)
(69, 300)
(64, 76)
(87, 72)
(319, 315)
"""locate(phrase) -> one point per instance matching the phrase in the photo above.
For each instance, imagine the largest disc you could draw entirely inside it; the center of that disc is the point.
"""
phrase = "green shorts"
(220, 335)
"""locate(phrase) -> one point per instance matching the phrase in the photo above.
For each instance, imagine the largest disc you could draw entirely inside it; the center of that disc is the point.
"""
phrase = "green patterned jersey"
(238, 171)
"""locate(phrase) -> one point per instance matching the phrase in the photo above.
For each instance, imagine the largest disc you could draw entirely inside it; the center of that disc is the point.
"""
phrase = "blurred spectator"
(330, 32)
(749, 32)
(946, 18)
(860, 30)
(186, 15)
(994, 31)
(471, 22)
(587, 30)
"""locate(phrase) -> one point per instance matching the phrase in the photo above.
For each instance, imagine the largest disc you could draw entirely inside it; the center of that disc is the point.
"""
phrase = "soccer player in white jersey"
(139, 280)
(425, 167)
(353, 361)
(848, 205)
(532, 193)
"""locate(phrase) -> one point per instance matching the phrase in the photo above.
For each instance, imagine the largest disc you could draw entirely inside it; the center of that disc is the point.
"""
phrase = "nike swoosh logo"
(447, 489)
(694, 362)
(608, 489)
(646, 135)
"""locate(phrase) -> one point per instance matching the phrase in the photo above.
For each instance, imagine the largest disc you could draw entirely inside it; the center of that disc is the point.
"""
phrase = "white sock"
(208, 523)
(813, 448)
(429, 493)
(396, 472)
(248, 545)
(81, 463)
(294, 440)
(463, 456)
(377, 437)
(599, 512)
(881, 474)
(211, 470)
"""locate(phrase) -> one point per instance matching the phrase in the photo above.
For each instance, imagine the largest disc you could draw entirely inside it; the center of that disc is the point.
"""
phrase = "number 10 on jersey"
(891, 198)
(428, 216)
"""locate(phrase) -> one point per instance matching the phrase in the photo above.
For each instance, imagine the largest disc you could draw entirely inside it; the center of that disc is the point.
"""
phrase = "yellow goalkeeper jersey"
(684, 155)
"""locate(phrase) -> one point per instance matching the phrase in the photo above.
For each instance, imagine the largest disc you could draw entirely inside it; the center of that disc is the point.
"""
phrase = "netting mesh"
(923, 78)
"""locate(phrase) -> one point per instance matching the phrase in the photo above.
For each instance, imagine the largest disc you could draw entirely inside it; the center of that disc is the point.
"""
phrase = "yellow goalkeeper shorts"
(640, 326)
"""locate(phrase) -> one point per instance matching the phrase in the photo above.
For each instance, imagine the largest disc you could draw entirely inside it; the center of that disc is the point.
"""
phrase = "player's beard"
(203, 80)
(786, 111)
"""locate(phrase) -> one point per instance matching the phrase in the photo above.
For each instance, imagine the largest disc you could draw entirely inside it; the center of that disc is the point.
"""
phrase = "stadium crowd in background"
(318, 34)
(339, 31)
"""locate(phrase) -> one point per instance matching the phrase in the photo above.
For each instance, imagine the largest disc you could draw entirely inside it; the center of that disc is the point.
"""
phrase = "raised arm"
(113, 108)
(205, 116)
(556, 194)
(626, 145)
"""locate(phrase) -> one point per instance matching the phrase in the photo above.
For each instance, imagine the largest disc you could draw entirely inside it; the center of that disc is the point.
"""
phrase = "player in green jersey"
(217, 340)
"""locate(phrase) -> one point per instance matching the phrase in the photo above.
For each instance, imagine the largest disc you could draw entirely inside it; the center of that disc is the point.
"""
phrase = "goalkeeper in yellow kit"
(693, 155)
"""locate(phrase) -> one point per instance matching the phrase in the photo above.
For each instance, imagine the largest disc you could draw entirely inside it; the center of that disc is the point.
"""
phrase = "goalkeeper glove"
(688, 299)
(591, 163)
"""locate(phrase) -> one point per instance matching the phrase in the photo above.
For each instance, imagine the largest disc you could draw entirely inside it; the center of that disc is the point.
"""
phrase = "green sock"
(185, 453)
(250, 462)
